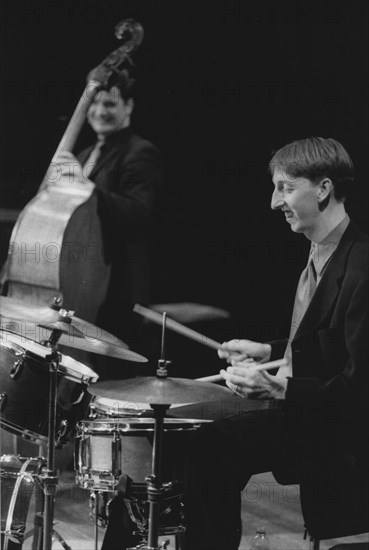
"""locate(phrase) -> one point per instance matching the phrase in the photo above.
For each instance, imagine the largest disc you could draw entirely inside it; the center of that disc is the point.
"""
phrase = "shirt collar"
(121, 135)
(323, 251)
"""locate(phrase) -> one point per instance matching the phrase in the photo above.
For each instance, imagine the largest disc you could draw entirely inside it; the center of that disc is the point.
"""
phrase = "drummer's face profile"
(109, 113)
(297, 198)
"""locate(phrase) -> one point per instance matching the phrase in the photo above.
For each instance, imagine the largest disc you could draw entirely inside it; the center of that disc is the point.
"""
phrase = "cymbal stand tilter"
(49, 477)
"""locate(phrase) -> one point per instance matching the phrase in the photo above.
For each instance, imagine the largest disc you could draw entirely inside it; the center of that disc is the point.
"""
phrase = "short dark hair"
(125, 84)
(315, 158)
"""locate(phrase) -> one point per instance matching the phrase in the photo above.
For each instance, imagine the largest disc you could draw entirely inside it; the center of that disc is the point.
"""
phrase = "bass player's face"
(109, 113)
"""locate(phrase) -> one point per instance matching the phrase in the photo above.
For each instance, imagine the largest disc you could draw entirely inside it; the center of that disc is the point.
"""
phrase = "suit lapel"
(83, 156)
(329, 285)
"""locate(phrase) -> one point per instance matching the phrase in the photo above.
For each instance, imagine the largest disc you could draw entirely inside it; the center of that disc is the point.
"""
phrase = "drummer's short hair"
(315, 158)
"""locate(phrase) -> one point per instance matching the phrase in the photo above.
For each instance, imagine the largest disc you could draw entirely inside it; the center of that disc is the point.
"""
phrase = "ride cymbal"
(159, 391)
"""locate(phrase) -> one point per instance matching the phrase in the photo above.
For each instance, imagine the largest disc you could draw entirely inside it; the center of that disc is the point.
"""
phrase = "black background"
(220, 85)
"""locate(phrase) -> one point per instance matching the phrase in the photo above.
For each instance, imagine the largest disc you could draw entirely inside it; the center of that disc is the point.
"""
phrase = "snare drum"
(108, 448)
(24, 397)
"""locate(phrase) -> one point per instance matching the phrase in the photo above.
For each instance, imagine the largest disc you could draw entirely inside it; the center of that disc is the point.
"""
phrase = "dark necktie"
(304, 293)
(90, 163)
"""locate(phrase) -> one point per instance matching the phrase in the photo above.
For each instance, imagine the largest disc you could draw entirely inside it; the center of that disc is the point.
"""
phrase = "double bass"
(56, 253)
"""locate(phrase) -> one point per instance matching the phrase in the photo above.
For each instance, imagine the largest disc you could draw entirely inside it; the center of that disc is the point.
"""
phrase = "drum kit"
(46, 398)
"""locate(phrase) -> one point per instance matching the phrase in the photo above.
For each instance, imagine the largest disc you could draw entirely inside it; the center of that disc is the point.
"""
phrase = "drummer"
(319, 427)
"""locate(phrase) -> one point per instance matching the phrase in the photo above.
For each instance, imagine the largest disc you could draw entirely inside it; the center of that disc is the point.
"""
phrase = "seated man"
(316, 421)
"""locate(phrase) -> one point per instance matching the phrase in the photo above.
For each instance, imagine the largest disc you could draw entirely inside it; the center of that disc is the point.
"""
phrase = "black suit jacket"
(327, 397)
(128, 177)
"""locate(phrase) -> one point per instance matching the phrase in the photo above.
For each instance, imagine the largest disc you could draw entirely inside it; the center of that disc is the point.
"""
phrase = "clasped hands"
(245, 381)
(66, 171)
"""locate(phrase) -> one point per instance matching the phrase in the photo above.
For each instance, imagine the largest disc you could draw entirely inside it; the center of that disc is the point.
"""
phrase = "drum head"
(112, 408)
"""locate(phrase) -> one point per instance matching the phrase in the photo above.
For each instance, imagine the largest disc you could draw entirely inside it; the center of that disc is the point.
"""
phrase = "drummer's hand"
(65, 170)
(245, 381)
(240, 350)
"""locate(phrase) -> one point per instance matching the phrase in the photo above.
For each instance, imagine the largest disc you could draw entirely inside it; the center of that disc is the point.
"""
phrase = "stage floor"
(264, 502)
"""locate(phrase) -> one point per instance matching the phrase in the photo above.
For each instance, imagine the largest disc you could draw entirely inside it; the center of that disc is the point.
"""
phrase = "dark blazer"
(128, 177)
(328, 393)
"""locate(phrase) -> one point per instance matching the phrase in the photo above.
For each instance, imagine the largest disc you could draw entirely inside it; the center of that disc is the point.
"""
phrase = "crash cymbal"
(101, 347)
(13, 310)
(71, 340)
(36, 323)
(63, 327)
(159, 391)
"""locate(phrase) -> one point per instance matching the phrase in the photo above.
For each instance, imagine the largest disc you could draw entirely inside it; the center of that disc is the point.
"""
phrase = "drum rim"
(135, 425)
(24, 433)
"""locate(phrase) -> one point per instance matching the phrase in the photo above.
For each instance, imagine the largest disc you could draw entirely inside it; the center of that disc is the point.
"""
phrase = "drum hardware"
(37, 533)
(155, 488)
(18, 366)
(99, 506)
(3, 400)
(134, 497)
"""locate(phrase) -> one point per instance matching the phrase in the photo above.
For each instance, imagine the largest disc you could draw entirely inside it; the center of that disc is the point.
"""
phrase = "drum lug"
(3, 400)
(93, 412)
(16, 535)
(18, 366)
(116, 450)
(63, 426)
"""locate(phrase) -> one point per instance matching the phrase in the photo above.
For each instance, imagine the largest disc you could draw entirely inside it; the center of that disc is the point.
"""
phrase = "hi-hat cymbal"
(159, 391)
(37, 322)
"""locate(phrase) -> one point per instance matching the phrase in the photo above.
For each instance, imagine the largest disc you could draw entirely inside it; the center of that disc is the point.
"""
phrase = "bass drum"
(18, 481)
(24, 377)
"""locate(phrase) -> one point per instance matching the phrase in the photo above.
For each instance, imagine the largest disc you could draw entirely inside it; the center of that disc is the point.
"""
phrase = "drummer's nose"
(277, 200)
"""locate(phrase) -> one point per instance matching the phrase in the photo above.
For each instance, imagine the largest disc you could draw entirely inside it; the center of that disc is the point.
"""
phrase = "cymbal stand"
(155, 488)
(50, 477)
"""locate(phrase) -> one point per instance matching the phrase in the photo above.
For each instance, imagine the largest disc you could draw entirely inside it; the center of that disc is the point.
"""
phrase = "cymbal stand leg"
(58, 537)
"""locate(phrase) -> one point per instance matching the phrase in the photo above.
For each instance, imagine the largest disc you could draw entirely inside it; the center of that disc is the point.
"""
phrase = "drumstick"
(263, 366)
(193, 335)
(176, 327)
